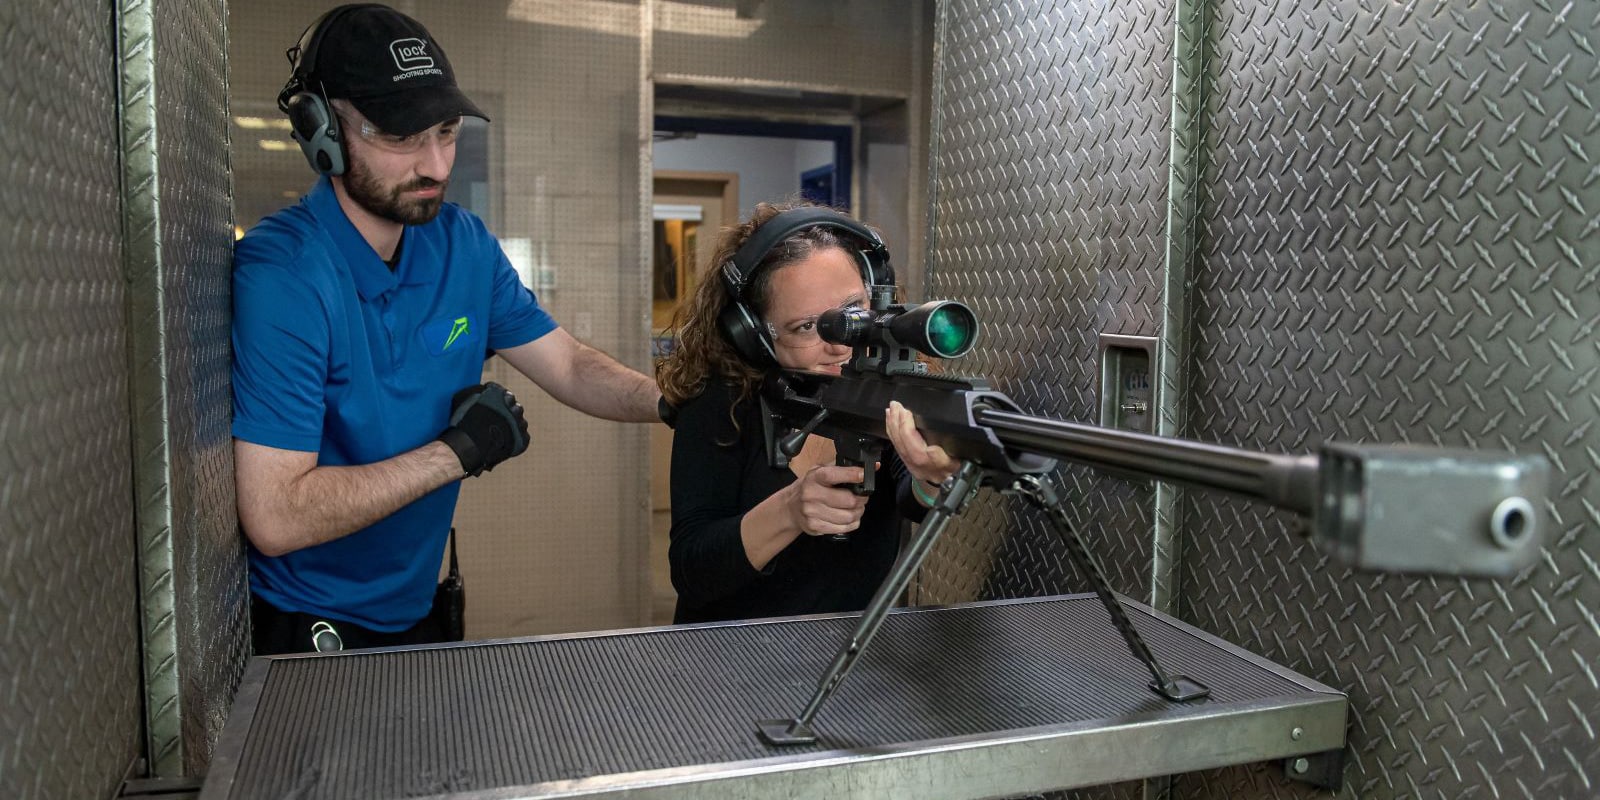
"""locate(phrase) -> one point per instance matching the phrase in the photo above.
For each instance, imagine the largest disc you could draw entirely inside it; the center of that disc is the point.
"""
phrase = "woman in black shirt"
(750, 539)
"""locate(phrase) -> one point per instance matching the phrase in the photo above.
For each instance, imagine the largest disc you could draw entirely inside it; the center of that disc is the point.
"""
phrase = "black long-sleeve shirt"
(718, 474)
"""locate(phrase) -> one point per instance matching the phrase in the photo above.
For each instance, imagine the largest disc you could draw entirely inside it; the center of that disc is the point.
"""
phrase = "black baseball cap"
(390, 68)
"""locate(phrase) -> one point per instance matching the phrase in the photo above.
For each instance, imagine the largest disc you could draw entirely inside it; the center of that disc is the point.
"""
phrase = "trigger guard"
(866, 486)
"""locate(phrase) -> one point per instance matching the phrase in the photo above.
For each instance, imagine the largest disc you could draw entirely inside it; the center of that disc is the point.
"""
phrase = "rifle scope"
(939, 328)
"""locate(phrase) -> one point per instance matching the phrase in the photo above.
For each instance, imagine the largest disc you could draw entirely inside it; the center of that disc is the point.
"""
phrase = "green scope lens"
(939, 328)
(942, 328)
(951, 330)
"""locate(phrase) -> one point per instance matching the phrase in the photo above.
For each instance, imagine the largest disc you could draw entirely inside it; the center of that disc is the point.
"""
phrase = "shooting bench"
(987, 699)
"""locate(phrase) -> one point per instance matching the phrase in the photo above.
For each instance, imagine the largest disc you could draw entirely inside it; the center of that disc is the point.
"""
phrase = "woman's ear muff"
(743, 329)
(746, 335)
(875, 271)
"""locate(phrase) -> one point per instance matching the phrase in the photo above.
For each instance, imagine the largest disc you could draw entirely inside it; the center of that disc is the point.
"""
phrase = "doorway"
(689, 210)
(779, 160)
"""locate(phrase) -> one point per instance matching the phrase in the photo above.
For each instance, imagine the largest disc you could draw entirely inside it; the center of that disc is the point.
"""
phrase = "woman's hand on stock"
(926, 462)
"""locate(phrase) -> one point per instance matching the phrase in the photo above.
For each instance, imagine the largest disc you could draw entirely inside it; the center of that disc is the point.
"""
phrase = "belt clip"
(325, 638)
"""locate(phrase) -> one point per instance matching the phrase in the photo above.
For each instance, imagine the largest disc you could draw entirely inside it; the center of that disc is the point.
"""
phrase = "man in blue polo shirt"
(361, 320)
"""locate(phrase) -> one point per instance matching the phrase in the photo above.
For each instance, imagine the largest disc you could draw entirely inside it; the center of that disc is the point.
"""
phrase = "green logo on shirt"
(457, 329)
(450, 335)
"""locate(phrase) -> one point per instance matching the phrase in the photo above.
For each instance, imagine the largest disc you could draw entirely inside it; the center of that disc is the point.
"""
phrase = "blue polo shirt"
(336, 354)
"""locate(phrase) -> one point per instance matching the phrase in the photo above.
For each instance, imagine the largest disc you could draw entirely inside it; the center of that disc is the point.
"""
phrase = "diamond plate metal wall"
(1397, 246)
(69, 677)
(1401, 246)
(1049, 190)
(178, 252)
(1050, 187)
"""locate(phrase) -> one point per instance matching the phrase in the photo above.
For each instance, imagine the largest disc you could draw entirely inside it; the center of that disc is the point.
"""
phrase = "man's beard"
(364, 188)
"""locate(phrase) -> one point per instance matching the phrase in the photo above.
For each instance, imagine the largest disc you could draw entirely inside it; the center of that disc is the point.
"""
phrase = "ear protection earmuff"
(312, 122)
(739, 324)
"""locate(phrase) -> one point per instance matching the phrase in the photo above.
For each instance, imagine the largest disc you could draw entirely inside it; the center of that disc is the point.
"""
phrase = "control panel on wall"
(1127, 382)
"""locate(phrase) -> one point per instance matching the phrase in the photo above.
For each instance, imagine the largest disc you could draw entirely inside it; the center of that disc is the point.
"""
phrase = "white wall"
(811, 153)
(769, 168)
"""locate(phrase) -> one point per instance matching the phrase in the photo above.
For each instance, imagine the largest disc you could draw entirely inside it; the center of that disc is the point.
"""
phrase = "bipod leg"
(953, 497)
(1039, 490)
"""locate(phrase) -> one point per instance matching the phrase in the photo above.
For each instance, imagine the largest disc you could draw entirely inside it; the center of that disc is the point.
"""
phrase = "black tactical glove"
(486, 427)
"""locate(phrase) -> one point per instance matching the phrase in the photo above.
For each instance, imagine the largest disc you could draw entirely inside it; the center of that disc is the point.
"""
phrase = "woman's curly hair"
(700, 353)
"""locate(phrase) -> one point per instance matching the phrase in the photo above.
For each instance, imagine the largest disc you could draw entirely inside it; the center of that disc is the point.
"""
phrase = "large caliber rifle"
(1389, 508)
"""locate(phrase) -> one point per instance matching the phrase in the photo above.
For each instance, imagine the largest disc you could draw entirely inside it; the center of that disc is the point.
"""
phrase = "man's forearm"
(586, 379)
(609, 390)
(327, 503)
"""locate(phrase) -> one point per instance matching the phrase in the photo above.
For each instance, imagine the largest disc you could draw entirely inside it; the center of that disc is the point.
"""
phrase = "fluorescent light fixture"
(622, 18)
(275, 145)
(261, 123)
(600, 16)
(683, 211)
(698, 20)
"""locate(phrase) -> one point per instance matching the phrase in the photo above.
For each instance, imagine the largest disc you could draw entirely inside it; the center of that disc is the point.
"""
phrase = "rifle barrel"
(1284, 481)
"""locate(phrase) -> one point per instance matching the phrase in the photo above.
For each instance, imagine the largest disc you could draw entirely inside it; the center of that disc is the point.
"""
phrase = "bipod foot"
(1179, 688)
(781, 732)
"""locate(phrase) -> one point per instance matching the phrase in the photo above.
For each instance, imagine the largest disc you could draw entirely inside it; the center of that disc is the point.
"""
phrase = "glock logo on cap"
(410, 54)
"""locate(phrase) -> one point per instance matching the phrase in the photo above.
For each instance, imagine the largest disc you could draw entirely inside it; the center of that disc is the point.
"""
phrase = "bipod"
(953, 496)
(1042, 494)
